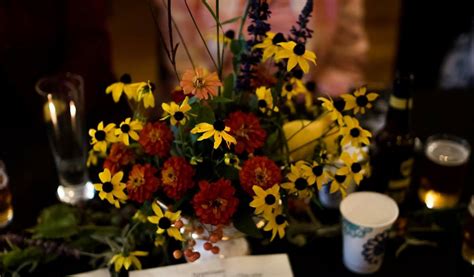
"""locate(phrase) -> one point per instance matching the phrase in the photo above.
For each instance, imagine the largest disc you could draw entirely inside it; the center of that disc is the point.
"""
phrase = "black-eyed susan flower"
(296, 54)
(123, 260)
(315, 172)
(270, 45)
(111, 187)
(128, 129)
(334, 109)
(298, 182)
(101, 137)
(265, 100)
(178, 114)
(354, 134)
(360, 101)
(293, 88)
(357, 170)
(341, 181)
(145, 93)
(232, 160)
(92, 157)
(218, 131)
(277, 223)
(165, 222)
(123, 85)
(265, 201)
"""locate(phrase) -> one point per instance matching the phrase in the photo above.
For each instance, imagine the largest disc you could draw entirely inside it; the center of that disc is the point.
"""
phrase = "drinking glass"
(443, 170)
(63, 113)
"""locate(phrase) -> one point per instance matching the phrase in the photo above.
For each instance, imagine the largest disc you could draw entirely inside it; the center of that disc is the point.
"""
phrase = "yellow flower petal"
(104, 176)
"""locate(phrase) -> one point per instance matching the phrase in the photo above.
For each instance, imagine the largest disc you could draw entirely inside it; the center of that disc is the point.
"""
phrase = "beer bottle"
(393, 153)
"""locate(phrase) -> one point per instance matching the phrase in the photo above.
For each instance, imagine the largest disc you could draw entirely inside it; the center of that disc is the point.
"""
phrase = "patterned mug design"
(354, 230)
(374, 248)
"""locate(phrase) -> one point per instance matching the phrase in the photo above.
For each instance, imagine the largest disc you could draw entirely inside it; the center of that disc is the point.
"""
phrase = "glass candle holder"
(63, 113)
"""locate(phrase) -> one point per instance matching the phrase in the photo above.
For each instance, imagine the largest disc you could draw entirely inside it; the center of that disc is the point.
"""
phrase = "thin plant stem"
(200, 34)
(181, 38)
(162, 40)
(218, 23)
(244, 18)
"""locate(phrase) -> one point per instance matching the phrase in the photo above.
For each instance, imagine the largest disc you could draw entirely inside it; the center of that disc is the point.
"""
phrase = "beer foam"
(447, 152)
(369, 209)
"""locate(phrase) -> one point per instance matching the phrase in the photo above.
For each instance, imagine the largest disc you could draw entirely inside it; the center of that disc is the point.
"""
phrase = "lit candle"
(72, 110)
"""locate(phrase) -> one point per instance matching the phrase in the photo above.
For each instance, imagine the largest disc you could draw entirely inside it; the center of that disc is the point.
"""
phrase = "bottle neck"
(398, 115)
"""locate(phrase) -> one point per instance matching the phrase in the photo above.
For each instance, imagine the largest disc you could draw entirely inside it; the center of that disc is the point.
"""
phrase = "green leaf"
(232, 20)
(237, 46)
(58, 221)
(243, 222)
(271, 139)
(15, 258)
(221, 99)
(229, 86)
(210, 11)
(204, 114)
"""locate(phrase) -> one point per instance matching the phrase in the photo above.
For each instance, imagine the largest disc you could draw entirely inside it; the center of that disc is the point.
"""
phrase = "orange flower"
(200, 83)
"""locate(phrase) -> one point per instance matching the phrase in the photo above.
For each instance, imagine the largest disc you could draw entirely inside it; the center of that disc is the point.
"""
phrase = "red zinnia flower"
(156, 139)
(177, 177)
(259, 171)
(142, 182)
(215, 203)
(178, 95)
(120, 155)
(245, 128)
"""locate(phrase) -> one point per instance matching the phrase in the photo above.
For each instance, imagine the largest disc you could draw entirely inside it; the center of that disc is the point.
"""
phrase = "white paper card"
(276, 265)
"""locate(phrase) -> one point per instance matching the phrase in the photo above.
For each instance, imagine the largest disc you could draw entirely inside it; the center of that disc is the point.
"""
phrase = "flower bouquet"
(230, 150)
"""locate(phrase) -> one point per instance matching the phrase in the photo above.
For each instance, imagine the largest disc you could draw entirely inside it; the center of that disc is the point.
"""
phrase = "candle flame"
(430, 199)
(52, 110)
(72, 109)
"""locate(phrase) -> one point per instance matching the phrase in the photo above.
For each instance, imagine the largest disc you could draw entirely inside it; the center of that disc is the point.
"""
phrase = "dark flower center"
(339, 105)
(299, 49)
(270, 199)
(100, 135)
(318, 170)
(232, 161)
(356, 167)
(229, 34)
(178, 116)
(164, 223)
(340, 178)
(262, 103)
(126, 79)
(289, 87)
(219, 125)
(297, 73)
(311, 86)
(355, 132)
(125, 128)
(198, 82)
(301, 184)
(107, 187)
(362, 101)
(280, 219)
(278, 38)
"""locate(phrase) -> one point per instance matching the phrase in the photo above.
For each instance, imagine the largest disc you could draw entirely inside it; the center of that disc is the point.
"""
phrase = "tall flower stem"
(200, 34)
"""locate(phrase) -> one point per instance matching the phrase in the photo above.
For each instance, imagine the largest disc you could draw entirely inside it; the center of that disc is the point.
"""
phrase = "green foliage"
(229, 86)
(243, 221)
(57, 222)
(21, 258)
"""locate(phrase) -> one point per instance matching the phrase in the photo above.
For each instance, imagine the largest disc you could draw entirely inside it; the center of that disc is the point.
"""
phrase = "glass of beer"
(63, 114)
(443, 171)
(6, 208)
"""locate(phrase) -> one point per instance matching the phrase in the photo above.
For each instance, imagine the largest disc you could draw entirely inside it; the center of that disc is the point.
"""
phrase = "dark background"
(43, 37)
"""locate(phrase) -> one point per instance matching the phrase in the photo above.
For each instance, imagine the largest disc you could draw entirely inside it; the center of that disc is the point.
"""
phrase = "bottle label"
(400, 103)
(400, 181)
